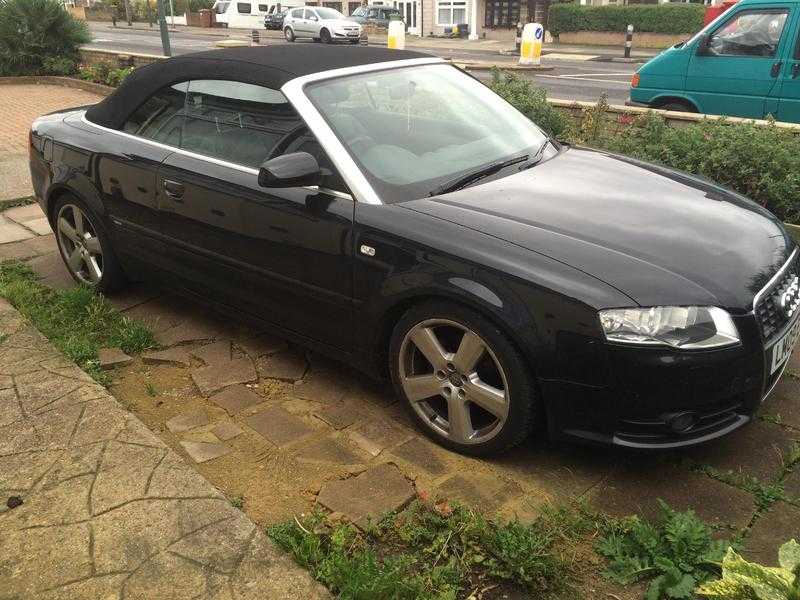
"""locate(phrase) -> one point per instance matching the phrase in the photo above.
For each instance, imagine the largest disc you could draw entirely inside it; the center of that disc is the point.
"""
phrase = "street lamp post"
(162, 23)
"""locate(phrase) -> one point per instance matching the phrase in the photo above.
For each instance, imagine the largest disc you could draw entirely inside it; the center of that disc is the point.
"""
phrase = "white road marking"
(626, 82)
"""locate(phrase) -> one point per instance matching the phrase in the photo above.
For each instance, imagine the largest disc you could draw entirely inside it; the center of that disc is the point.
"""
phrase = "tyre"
(678, 107)
(288, 34)
(85, 246)
(462, 380)
(325, 36)
(354, 42)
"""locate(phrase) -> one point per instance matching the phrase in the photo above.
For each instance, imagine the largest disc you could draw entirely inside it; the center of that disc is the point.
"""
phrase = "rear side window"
(263, 8)
(236, 122)
(244, 8)
(161, 117)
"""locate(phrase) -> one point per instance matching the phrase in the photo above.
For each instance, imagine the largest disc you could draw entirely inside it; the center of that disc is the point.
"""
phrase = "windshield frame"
(387, 192)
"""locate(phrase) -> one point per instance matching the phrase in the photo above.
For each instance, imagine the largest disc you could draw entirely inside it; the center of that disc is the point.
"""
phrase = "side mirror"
(297, 169)
(704, 45)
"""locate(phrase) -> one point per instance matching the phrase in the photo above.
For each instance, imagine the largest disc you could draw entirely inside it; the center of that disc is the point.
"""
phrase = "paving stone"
(159, 314)
(177, 356)
(215, 377)
(236, 398)
(39, 226)
(279, 426)
(339, 415)
(784, 402)
(50, 268)
(368, 496)
(329, 450)
(133, 295)
(376, 435)
(635, 488)
(204, 451)
(187, 421)
(261, 345)
(212, 354)
(321, 386)
(111, 358)
(756, 450)
(12, 232)
(16, 251)
(24, 214)
(481, 491)
(191, 330)
(226, 431)
(43, 244)
(780, 524)
(287, 366)
(421, 453)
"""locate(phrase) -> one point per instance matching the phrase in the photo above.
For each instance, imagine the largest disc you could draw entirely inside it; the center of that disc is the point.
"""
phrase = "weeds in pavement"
(77, 321)
(237, 501)
(150, 389)
(436, 551)
(675, 553)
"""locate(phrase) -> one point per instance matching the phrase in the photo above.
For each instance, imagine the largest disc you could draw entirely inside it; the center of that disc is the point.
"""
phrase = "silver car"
(321, 24)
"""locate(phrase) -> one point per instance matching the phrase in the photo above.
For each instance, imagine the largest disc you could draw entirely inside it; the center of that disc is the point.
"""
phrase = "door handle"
(776, 68)
(795, 70)
(173, 189)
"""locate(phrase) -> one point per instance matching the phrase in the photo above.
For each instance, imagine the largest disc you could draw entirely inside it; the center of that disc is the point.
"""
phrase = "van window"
(221, 7)
(263, 8)
(750, 33)
(244, 8)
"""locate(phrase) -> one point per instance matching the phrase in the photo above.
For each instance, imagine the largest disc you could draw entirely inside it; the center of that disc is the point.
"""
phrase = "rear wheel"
(288, 34)
(462, 379)
(325, 36)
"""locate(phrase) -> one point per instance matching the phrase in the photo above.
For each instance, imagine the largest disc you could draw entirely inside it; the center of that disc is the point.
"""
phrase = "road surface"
(570, 79)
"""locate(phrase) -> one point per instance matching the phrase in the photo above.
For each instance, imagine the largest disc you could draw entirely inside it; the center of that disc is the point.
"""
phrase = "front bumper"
(661, 398)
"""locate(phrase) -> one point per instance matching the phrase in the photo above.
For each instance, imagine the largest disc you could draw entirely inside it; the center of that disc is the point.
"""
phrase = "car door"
(283, 255)
(312, 24)
(128, 177)
(786, 97)
(739, 67)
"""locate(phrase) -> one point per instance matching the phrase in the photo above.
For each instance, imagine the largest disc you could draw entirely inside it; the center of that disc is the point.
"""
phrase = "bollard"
(113, 20)
(255, 37)
(628, 41)
(397, 35)
(530, 52)
(518, 36)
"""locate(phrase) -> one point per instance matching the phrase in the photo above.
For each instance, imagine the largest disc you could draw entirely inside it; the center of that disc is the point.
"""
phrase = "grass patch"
(14, 202)
(438, 551)
(77, 321)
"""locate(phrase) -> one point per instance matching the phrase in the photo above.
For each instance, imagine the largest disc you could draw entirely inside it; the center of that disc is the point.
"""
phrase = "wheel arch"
(59, 190)
(660, 101)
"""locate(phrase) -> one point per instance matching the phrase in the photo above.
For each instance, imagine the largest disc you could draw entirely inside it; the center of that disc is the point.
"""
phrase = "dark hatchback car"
(391, 211)
(275, 20)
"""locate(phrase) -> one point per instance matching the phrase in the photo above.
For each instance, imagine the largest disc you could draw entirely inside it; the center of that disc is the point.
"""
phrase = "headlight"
(689, 327)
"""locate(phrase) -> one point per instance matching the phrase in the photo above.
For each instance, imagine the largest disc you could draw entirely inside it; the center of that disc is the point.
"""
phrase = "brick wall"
(116, 59)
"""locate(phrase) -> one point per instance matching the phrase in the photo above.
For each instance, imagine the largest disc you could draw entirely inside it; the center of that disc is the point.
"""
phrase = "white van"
(248, 14)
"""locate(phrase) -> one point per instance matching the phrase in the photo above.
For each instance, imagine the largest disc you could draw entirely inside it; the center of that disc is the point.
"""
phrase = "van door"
(787, 93)
(738, 68)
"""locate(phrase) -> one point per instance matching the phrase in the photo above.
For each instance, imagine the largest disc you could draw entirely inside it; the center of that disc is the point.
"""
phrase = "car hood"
(659, 236)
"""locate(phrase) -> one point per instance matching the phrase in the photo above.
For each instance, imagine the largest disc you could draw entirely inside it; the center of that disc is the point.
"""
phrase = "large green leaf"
(789, 555)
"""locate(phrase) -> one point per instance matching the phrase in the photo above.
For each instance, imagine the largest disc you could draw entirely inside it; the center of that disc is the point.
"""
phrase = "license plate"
(782, 349)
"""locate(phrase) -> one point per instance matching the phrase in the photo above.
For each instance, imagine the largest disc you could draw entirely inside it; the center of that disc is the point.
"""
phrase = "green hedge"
(760, 162)
(655, 18)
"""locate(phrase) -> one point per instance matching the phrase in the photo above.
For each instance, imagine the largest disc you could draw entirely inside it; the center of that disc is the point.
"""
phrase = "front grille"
(770, 315)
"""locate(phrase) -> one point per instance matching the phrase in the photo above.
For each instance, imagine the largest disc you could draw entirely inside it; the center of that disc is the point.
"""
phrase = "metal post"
(172, 14)
(149, 14)
(162, 23)
(255, 37)
(628, 41)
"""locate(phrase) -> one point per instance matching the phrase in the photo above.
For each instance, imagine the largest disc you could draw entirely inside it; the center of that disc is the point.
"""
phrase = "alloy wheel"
(454, 381)
(79, 244)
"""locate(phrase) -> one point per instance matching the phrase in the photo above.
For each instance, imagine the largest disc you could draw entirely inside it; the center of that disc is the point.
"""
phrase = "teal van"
(745, 63)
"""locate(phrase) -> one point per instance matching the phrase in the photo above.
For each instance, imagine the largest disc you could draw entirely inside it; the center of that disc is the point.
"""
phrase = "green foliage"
(32, 31)
(655, 18)
(433, 552)
(58, 66)
(77, 321)
(530, 101)
(742, 580)
(103, 73)
(237, 502)
(675, 553)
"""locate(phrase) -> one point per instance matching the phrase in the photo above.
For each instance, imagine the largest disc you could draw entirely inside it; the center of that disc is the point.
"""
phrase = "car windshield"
(329, 13)
(413, 129)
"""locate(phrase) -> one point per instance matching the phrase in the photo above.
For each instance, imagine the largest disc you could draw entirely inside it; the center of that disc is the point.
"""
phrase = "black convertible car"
(389, 210)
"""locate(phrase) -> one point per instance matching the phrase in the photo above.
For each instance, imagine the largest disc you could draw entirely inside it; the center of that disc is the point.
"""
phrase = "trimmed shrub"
(653, 18)
(531, 101)
(34, 30)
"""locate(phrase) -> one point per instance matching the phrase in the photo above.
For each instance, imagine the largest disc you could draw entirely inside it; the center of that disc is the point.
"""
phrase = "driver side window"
(750, 33)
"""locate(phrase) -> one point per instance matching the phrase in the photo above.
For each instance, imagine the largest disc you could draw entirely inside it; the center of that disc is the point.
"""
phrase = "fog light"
(681, 422)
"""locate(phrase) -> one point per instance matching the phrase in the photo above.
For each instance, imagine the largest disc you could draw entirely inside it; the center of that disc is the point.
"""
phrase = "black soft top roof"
(270, 66)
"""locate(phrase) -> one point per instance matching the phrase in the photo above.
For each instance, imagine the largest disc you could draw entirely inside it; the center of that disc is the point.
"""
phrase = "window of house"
(160, 118)
(750, 33)
(502, 13)
(244, 8)
(451, 12)
(358, 11)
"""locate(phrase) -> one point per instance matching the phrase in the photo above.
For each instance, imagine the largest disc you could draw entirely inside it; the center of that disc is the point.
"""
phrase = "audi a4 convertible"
(389, 210)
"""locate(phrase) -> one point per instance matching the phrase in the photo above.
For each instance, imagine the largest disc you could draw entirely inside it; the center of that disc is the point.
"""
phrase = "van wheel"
(325, 36)
(289, 34)
(678, 107)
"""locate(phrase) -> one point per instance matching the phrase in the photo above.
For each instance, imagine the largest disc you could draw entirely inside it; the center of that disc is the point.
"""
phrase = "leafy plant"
(656, 18)
(103, 73)
(60, 65)
(675, 553)
(742, 580)
(32, 31)
(530, 101)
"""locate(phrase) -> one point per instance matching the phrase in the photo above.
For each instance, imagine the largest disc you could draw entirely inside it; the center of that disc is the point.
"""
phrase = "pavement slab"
(321, 386)
(13, 232)
(214, 353)
(227, 431)
(368, 496)
(286, 366)
(111, 358)
(479, 490)
(187, 421)
(205, 451)
(784, 402)
(377, 434)
(422, 454)
(110, 511)
(779, 524)
(236, 398)
(330, 450)
(190, 330)
(177, 356)
(340, 415)
(214, 377)
(279, 426)
(261, 345)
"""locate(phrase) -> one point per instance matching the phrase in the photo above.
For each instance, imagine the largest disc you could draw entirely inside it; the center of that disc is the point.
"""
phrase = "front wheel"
(325, 36)
(463, 381)
(288, 34)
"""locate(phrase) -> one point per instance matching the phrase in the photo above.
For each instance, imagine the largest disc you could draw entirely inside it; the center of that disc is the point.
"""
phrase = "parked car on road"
(322, 24)
(275, 20)
(376, 15)
(745, 63)
(388, 210)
